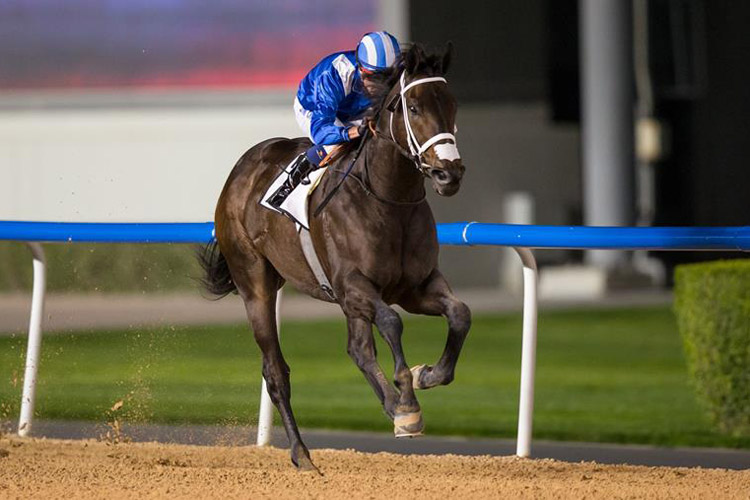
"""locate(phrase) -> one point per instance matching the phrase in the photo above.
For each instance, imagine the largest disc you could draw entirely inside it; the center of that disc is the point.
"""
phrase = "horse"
(375, 238)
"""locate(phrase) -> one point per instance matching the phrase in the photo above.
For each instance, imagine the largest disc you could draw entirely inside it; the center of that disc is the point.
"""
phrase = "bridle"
(416, 150)
(444, 151)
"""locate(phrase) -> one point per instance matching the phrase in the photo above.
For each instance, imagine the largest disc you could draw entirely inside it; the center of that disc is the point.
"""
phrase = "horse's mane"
(415, 60)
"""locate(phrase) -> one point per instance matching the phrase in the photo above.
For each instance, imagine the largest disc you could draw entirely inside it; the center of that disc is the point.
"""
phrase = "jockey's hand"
(359, 130)
(362, 128)
(353, 132)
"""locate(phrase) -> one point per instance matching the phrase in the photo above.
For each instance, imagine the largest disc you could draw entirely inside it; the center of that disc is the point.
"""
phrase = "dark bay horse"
(376, 241)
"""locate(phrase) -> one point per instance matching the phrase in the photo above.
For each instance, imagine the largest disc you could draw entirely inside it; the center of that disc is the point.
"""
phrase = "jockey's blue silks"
(333, 94)
(316, 154)
(333, 90)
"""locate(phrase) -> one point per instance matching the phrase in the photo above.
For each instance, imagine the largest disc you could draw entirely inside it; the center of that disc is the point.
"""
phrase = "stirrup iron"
(298, 175)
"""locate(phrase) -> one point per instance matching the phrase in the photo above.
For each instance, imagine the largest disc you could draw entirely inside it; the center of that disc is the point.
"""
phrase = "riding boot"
(301, 168)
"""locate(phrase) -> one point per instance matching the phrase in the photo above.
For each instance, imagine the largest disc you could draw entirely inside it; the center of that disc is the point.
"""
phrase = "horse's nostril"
(440, 175)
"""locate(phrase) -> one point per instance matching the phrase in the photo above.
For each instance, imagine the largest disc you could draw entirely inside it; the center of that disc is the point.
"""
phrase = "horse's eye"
(413, 109)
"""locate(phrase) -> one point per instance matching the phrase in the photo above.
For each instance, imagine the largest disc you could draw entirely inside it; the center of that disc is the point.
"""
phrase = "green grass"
(96, 267)
(609, 376)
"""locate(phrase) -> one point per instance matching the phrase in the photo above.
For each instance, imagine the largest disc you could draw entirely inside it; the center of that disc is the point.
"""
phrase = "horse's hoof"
(416, 371)
(408, 424)
(304, 464)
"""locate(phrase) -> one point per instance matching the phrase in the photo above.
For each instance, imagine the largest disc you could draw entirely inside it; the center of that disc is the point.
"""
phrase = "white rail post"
(35, 340)
(265, 414)
(528, 352)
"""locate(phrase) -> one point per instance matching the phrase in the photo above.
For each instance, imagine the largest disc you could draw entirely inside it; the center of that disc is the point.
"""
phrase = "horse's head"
(423, 118)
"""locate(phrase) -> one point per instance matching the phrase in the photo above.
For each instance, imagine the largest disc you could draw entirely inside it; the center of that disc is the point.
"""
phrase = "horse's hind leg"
(363, 306)
(434, 297)
(259, 294)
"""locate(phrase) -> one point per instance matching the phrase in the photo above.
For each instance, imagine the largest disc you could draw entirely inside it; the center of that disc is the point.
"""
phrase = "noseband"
(447, 151)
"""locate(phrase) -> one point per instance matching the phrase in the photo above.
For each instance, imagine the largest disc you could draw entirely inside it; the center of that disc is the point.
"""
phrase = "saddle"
(295, 206)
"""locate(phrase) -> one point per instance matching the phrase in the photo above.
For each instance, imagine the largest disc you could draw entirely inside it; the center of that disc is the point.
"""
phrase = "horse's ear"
(447, 56)
(413, 57)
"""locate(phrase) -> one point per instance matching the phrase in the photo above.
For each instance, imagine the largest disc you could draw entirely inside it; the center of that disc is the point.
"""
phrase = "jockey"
(331, 101)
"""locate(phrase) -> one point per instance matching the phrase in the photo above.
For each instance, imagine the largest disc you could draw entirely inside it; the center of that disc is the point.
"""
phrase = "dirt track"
(39, 468)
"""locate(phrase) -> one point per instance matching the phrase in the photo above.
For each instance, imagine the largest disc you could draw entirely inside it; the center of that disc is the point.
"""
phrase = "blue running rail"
(455, 233)
(107, 232)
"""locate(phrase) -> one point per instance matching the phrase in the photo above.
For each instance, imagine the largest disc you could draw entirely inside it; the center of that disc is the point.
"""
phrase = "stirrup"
(300, 168)
(298, 175)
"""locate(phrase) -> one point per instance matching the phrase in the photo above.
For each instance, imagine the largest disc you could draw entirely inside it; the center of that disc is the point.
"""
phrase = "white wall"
(169, 164)
(121, 165)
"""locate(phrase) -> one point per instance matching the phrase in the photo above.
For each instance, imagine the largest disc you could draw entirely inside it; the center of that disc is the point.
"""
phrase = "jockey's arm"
(329, 92)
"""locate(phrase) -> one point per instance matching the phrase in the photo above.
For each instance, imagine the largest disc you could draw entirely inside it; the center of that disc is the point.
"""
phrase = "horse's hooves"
(408, 424)
(416, 371)
(305, 465)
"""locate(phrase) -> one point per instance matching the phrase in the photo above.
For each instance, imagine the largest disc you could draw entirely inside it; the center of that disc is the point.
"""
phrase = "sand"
(47, 468)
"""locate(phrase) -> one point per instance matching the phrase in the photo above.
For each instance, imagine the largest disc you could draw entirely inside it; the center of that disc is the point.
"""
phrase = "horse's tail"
(217, 279)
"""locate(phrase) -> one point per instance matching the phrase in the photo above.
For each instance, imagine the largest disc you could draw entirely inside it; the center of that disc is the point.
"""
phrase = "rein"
(346, 174)
(364, 183)
(398, 146)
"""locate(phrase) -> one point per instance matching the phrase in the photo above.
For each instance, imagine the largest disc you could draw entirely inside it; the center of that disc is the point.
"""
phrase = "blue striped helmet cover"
(377, 51)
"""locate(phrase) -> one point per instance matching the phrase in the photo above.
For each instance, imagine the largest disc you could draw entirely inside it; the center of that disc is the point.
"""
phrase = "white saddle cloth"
(296, 204)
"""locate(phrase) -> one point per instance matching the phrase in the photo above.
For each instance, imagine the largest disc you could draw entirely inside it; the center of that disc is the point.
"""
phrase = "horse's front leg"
(434, 297)
(364, 306)
(361, 348)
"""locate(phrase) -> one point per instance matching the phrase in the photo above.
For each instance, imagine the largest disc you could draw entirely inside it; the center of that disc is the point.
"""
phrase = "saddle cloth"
(295, 206)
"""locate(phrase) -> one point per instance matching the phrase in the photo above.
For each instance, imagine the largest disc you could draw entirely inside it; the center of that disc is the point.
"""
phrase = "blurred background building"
(134, 110)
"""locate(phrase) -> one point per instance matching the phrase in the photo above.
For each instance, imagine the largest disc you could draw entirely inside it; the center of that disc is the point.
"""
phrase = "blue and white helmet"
(377, 51)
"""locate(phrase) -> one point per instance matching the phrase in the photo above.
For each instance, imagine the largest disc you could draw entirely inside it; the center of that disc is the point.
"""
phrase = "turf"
(607, 376)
